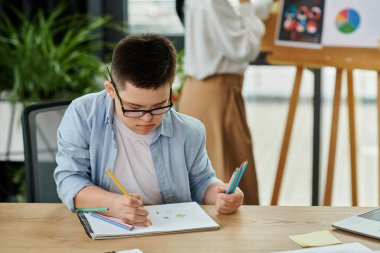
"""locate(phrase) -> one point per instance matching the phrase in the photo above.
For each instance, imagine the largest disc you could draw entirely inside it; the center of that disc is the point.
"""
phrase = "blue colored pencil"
(242, 169)
(100, 217)
(232, 181)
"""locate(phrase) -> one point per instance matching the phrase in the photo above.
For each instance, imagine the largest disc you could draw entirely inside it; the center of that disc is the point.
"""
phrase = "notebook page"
(165, 218)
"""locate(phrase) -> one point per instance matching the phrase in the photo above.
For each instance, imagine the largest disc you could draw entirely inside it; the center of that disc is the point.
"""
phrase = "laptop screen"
(372, 215)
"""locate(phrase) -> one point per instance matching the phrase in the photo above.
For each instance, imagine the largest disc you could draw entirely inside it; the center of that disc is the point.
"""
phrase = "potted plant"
(49, 57)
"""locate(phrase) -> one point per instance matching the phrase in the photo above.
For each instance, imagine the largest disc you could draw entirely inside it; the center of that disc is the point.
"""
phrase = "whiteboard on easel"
(319, 23)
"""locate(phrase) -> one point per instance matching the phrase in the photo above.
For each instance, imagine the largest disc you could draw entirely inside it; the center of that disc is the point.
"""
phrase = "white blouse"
(219, 40)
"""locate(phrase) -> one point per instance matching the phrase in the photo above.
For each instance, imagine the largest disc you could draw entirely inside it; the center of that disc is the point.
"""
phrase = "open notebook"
(168, 218)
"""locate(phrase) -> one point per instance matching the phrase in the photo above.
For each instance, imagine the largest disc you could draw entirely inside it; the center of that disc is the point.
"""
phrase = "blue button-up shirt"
(86, 146)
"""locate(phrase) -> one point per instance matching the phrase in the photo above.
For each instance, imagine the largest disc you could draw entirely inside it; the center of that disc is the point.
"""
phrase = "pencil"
(233, 179)
(126, 193)
(90, 210)
(116, 223)
(243, 166)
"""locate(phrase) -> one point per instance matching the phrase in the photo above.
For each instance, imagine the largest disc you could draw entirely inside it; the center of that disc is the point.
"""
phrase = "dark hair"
(146, 61)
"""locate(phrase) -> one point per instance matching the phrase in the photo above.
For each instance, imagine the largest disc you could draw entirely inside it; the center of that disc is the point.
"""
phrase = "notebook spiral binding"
(85, 224)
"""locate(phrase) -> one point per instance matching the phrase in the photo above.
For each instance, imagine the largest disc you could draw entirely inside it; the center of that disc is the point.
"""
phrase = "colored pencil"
(242, 169)
(91, 210)
(232, 181)
(112, 221)
(126, 193)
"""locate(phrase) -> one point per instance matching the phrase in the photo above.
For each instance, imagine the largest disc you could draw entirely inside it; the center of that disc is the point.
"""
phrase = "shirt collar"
(166, 127)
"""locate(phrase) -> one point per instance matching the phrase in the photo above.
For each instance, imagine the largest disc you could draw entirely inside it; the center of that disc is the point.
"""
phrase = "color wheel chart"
(347, 21)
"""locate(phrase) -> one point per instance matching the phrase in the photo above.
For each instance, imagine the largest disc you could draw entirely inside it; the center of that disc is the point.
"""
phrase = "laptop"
(367, 224)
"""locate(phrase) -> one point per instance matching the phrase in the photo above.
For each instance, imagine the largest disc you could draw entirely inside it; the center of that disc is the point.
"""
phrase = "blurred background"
(38, 69)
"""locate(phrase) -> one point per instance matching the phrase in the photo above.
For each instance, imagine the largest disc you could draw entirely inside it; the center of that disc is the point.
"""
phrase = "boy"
(129, 128)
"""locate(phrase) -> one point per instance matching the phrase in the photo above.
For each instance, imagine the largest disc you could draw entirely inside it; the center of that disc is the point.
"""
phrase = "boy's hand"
(228, 203)
(130, 209)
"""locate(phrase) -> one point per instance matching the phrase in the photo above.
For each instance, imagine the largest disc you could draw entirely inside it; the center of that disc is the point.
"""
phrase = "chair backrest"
(40, 123)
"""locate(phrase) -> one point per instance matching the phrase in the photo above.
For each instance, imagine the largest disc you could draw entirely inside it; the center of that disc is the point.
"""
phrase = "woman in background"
(219, 44)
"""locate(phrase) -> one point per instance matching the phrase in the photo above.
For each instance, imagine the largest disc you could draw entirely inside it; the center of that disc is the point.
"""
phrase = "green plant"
(47, 57)
(18, 181)
(12, 182)
(50, 56)
(180, 73)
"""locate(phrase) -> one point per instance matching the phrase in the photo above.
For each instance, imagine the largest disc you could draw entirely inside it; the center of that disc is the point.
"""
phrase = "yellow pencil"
(126, 193)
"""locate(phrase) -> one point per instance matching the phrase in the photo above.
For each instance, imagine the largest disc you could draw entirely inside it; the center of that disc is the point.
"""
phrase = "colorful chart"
(347, 20)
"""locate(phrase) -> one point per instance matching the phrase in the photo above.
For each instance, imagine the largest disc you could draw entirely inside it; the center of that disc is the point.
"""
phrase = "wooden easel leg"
(287, 135)
(378, 130)
(351, 119)
(333, 138)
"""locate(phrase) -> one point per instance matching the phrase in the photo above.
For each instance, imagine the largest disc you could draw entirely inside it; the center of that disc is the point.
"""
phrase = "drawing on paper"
(347, 20)
(301, 23)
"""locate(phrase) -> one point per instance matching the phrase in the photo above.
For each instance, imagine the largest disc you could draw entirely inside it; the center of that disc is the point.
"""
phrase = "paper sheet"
(130, 251)
(342, 248)
(168, 218)
(351, 23)
(300, 23)
(319, 238)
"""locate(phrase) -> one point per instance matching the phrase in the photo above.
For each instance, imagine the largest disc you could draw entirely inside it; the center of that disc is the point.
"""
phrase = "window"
(156, 16)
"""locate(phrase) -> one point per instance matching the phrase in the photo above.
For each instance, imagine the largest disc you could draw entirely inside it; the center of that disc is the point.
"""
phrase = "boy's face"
(134, 98)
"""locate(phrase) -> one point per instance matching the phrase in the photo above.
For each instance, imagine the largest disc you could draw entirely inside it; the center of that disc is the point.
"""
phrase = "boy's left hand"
(228, 203)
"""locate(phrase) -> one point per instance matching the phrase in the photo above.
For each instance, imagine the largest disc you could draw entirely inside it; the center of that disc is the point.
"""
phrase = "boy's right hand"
(130, 209)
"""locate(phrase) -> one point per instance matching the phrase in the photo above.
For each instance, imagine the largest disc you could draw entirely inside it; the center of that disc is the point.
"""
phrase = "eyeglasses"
(140, 113)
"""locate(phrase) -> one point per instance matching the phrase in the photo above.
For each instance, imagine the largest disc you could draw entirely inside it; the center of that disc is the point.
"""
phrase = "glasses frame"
(151, 111)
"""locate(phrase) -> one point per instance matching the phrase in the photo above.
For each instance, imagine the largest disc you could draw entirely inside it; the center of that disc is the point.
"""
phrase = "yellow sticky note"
(319, 238)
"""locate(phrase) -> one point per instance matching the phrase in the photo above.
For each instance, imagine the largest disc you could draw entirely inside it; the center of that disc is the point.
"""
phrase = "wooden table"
(26, 227)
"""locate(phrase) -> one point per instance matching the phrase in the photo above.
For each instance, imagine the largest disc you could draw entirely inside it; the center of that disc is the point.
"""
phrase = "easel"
(342, 59)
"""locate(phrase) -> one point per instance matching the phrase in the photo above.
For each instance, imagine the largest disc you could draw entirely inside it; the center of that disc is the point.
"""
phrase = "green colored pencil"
(91, 210)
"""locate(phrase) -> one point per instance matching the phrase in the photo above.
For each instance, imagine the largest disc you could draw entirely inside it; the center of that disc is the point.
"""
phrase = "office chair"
(39, 124)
